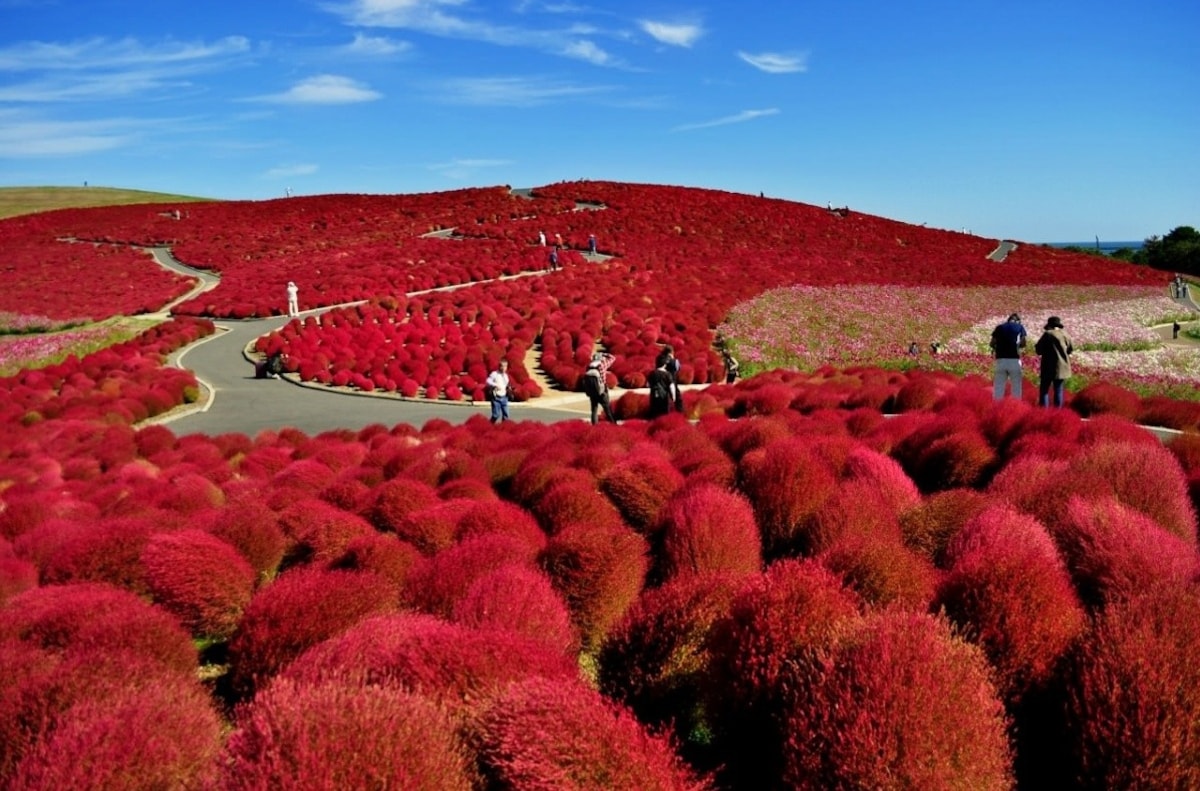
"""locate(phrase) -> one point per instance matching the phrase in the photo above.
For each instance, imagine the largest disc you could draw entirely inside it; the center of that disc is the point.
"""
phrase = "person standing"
(1008, 339)
(659, 381)
(498, 384)
(293, 299)
(592, 244)
(731, 366)
(542, 238)
(667, 360)
(554, 259)
(595, 384)
(558, 240)
(1054, 348)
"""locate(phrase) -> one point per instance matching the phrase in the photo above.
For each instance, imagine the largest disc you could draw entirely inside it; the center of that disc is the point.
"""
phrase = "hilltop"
(15, 201)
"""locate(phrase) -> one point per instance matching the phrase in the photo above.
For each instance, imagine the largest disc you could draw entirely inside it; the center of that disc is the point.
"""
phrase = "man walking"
(497, 382)
(1008, 339)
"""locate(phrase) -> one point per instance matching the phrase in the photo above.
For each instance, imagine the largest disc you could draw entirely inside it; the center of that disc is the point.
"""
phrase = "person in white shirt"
(498, 382)
(293, 299)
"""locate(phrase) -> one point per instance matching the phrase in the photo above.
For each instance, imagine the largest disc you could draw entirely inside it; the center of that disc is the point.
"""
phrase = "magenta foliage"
(787, 483)
(200, 579)
(547, 736)
(298, 610)
(333, 735)
(436, 584)
(705, 528)
(521, 600)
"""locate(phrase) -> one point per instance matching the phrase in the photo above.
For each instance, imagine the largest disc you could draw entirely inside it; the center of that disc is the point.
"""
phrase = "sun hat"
(1054, 323)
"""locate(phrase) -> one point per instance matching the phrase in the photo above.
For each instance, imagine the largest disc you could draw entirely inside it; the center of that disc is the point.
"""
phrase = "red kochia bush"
(543, 735)
(521, 600)
(159, 732)
(459, 666)
(656, 660)
(900, 703)
(106, 550)
(599, 570)
(640, 485)
(297, 610)
(1102, 398)
(1144, 476)
(319, 532)
(881, 570)
(339, 736)
(783, 617)
(705, 528)
(1008, 591)
(200, 579)
(1114, 552)
(253, 529)
(437, 583)
(786, 483)
(1133, 712)
(95, 618)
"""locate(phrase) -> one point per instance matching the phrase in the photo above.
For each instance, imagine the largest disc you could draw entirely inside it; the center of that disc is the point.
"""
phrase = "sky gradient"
(1035, 121)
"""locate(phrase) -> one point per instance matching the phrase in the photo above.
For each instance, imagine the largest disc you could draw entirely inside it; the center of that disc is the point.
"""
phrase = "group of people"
(1054, 351)
(1179, 287)
(553, 260)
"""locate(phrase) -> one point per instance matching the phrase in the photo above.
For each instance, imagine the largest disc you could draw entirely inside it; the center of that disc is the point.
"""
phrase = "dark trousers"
(1044, 388)
(599, 401)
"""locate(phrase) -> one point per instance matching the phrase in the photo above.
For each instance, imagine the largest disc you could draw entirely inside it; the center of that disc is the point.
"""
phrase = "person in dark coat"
(660, 382)
(1054, 348)
(596, 385)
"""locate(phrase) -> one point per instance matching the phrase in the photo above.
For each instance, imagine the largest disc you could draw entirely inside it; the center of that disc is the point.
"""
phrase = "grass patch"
(15, 201)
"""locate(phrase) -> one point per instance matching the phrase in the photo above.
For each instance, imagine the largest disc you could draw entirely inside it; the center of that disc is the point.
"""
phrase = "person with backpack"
(667, 359)
(595, 384)
(660, 381)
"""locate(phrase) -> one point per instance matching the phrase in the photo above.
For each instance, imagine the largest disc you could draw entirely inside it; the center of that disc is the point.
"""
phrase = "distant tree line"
(1178, 251)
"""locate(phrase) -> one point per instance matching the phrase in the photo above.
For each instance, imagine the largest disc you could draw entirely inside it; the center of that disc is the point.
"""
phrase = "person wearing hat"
(1008, 339)
(1054, 348)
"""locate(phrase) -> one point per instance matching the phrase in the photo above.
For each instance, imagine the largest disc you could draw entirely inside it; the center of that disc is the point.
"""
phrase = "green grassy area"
(37, 350)
(15, 201)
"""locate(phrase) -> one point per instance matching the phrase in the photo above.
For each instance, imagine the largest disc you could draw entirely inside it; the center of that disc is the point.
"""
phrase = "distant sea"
(1105, 247)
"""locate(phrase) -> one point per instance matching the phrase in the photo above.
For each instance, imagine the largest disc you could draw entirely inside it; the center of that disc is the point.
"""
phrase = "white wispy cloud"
(108, 54)
(291, 171)
(776, 62)
(22, 136)
(375, 46)
(448, 19)
(510, 91)
(739, 118)
(324, 89)
(675, 34)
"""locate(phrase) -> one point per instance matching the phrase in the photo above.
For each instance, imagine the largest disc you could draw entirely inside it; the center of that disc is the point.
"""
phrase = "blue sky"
(1039, 121)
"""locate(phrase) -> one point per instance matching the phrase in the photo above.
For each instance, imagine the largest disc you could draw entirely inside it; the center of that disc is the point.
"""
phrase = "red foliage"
(1132, 707)
(640, 485)
(656, 660)
(574, 501)
(548, 736)
(200, 579)
(433, 528)
(520, 600)
(1102, 398)
(704, 529)
(107, 550)
(502, 517)
(1169, 413)
(157, 732)
(786, 483)
(253, 529)
(382, 554)
(91, 619)
(1114, 552)
(599, 570)
(16, 575)
(298, 610)
(785, 616)
(856, 509)
(456, 665)
(1144, 476)
(899, 703)
(317, 531)
(437, 583)
(395, 499)
(881, 570)
(1008, 591)
(335, 735)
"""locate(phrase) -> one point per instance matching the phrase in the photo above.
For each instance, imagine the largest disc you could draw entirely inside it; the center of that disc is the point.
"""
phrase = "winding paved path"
(236, 402)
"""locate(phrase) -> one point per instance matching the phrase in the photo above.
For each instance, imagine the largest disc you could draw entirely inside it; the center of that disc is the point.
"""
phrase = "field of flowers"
(804, 327)
(835, 576)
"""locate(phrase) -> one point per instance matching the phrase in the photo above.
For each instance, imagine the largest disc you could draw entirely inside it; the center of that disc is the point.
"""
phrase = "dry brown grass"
(29, 200)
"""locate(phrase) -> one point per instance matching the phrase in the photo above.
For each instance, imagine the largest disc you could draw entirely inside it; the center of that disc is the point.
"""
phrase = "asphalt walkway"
(234, 401)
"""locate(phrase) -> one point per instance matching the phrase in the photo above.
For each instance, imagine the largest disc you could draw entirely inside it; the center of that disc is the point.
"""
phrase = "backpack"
(593, 382)
(659, 390)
